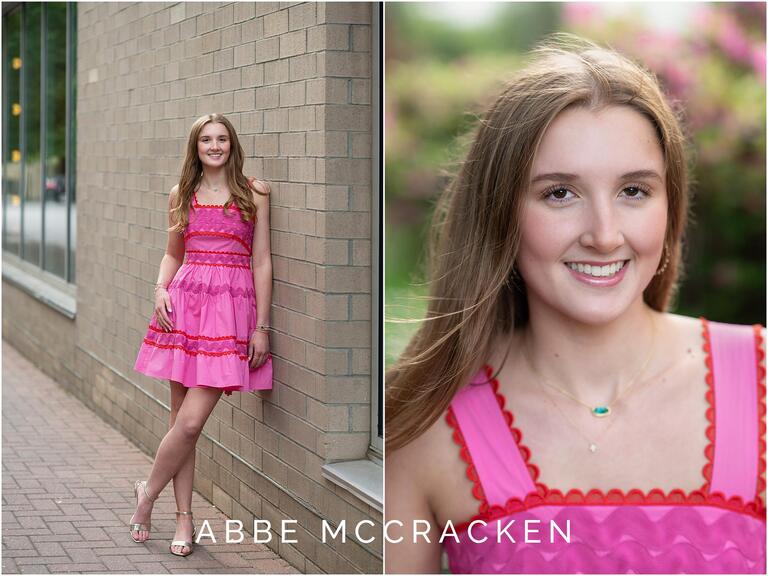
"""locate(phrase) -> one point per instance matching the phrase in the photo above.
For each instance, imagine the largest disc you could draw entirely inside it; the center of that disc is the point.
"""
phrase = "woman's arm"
(169, 265)
(261, 260)
(406, 501)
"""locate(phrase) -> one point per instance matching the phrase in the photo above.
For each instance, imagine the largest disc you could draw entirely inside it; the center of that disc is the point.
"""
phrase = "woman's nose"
(603, 229)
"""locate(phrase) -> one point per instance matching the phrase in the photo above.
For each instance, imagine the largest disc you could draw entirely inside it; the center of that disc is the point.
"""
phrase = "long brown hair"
(476, 294)
(192, 171)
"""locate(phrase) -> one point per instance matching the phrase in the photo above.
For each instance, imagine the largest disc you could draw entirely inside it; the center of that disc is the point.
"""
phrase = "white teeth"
(597, 271)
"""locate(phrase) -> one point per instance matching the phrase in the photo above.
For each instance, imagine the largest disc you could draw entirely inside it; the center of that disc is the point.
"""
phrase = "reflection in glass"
(72, 117)
(12, 66)
(55, 198)
(30, 209)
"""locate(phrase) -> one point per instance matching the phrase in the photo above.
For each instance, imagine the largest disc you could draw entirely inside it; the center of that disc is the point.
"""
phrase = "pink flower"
(733, 42)
(580, 13)
(758, 60)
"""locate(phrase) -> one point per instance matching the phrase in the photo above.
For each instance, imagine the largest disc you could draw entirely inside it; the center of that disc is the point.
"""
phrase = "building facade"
(98, 99)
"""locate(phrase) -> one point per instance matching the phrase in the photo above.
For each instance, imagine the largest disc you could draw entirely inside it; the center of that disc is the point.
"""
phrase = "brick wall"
(295, 80)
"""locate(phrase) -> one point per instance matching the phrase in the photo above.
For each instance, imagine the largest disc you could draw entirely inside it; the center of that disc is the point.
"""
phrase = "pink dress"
(213, 309)
(719, 528)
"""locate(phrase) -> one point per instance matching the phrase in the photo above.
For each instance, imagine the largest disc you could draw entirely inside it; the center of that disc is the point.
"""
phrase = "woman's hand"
(258, 349)
(163, 309)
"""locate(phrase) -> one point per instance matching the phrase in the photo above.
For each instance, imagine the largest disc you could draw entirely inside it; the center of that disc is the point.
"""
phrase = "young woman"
(210, 329)
(548, 388)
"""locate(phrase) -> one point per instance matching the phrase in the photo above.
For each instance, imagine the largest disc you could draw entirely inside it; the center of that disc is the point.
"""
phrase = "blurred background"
(445, 63)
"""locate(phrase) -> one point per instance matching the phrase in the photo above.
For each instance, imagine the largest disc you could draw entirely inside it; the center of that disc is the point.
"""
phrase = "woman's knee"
(189, 427)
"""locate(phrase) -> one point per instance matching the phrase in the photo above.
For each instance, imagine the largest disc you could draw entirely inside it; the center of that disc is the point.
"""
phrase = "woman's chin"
(595, 311)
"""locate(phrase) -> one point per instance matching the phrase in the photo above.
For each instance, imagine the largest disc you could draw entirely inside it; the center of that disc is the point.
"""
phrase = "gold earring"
(664, 265)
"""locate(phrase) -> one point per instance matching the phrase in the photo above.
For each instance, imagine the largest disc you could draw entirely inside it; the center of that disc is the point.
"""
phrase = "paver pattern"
(67, 489)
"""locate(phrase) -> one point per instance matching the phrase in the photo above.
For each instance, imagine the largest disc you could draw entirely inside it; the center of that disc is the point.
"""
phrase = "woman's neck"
(214, 178)
(594, 363)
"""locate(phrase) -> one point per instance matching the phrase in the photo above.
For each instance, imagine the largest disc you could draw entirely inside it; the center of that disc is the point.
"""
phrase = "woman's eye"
(635, 192)
(558, 194)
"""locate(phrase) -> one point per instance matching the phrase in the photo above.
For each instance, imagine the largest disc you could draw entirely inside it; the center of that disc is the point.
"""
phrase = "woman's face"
(213, 145)
(595, 214)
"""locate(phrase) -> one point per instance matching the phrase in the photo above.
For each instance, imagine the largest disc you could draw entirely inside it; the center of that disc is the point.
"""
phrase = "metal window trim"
(377, 442)
(23, 129)
(8, 7)
(68, 148)
(43, 125)
(6, 99)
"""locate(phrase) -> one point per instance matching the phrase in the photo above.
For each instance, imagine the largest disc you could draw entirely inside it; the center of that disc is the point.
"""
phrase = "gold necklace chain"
(592, 445)
(602, 410)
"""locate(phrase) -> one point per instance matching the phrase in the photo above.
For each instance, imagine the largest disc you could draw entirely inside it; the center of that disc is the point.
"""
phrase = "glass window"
(12, 65)
(71, 132)
(55, 189)
(39, 92)
(31, 226)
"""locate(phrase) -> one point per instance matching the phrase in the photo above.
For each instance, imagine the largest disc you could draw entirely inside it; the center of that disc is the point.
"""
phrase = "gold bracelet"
(262, 328)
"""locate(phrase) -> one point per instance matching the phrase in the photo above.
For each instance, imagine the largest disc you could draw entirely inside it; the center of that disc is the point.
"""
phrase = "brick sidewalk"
(68, 493)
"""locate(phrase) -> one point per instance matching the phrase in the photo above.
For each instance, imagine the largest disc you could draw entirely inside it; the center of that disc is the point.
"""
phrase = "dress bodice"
(218, 236)
(719, 527)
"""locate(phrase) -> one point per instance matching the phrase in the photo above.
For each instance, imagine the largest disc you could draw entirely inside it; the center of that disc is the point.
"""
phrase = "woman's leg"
(175, 448)
(185, 477)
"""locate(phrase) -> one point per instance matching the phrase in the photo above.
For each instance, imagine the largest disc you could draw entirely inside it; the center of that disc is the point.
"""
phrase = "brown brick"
(267, 49)
(302, 15)
(267, 97)
(354, 13)
(303, 66)
(293, 43)
(292, 144)
(293, 94)
(361, 38)
(276, 23)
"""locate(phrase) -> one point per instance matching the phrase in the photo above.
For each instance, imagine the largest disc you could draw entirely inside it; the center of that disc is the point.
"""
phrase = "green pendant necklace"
(600, 410)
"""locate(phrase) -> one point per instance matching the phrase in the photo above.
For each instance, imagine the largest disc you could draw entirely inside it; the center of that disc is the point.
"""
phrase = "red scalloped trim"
(760, 356)
(194, 197)
(195, 352)
(517, 434)
(709, 450)
(212, 233)
(545, 495)
(217, 264)
(458, 437)
(199, 337)
(218, 252)
(656, 497)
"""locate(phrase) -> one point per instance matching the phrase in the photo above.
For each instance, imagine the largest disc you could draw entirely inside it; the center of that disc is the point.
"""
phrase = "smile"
(597, 274)
(596, 271)
(215, 155)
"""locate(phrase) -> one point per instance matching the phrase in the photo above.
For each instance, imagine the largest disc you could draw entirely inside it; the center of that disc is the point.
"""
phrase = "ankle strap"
(189, 513)
(144, 487)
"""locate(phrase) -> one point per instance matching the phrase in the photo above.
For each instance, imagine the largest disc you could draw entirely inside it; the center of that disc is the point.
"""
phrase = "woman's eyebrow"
(565, 176)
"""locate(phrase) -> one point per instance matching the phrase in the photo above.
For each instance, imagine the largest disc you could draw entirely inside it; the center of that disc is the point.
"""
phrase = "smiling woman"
(210, 329)
(556, 385)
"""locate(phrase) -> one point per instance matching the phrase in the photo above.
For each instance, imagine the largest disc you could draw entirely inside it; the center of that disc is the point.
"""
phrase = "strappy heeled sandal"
(136, 526)
(183, 543)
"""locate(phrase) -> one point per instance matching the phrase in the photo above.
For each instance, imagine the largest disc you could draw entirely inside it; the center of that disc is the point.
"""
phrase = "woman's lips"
(599, 281)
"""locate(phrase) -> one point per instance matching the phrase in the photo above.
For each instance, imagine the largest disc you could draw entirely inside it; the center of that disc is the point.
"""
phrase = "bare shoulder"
(414, 452)
(433, 446)
(260, 187)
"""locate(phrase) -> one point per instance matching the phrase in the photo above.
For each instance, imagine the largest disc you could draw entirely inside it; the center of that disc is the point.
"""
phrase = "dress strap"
(737, 416)
(487, 438)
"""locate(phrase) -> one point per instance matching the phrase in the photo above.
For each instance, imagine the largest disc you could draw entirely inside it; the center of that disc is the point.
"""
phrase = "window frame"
(377, 212)
(16, 257)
